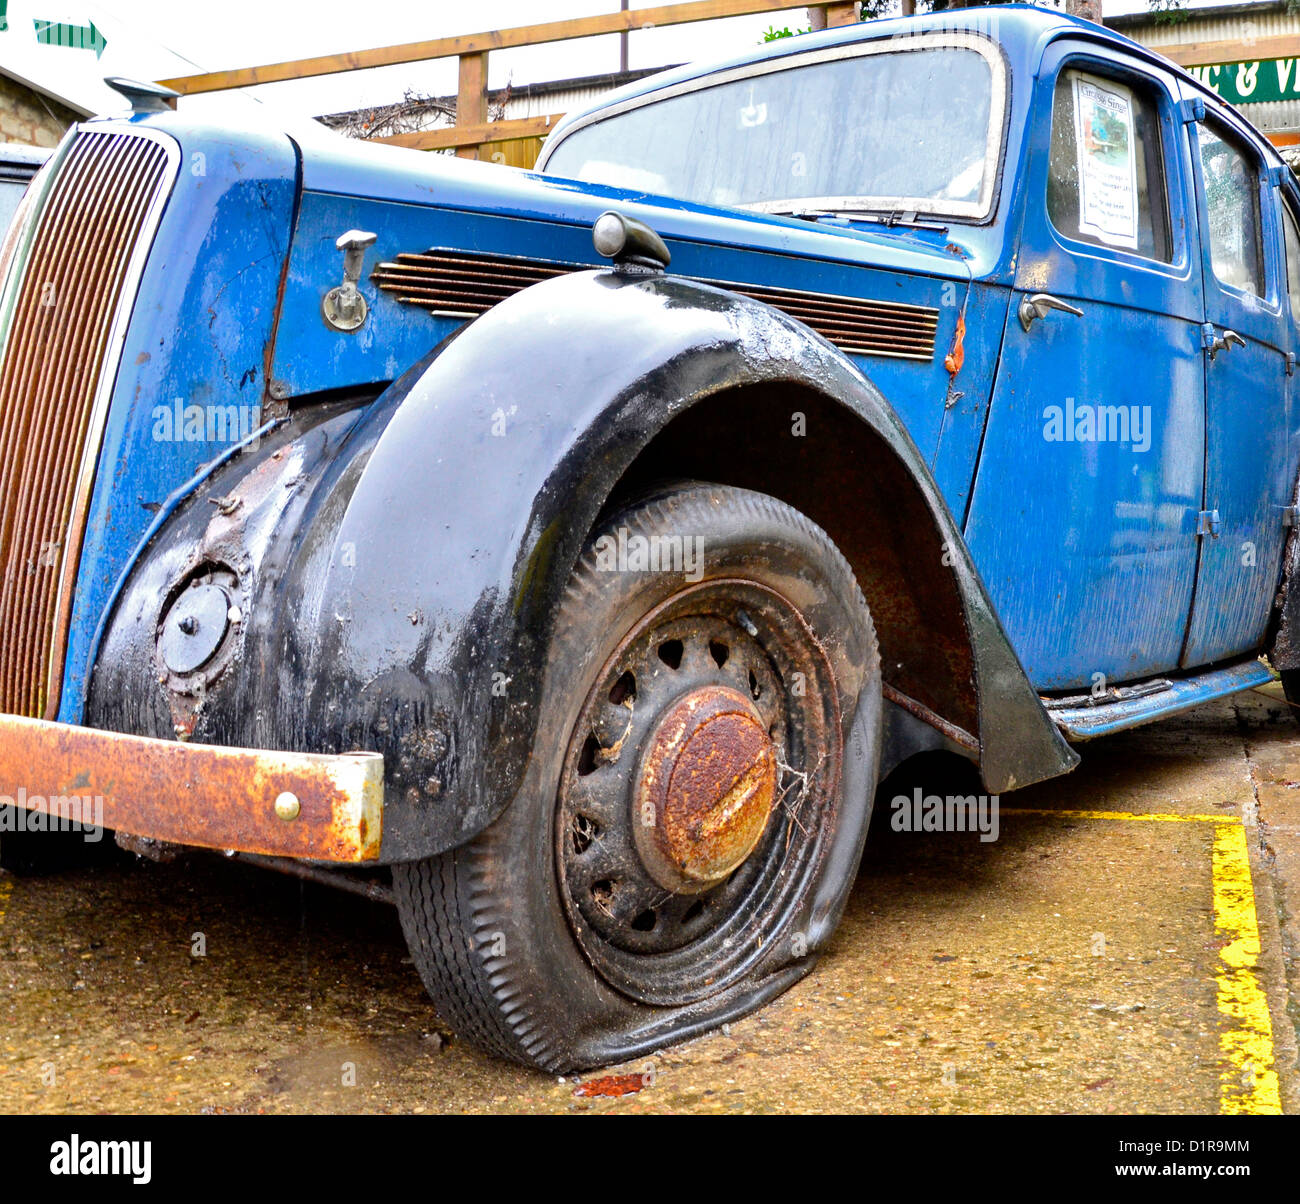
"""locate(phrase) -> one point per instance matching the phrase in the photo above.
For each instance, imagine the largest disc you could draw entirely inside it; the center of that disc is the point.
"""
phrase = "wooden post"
(831, 15)
(472, 97)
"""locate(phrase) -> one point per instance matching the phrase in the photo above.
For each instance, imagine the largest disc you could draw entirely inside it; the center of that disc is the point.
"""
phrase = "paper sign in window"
(1108, 194)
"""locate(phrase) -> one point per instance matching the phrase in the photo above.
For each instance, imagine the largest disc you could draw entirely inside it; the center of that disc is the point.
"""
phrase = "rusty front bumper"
(283, 804)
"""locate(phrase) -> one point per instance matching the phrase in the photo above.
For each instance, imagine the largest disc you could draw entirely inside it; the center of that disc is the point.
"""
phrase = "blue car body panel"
(1250, 468)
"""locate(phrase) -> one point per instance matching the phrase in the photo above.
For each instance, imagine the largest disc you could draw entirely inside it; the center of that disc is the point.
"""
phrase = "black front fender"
(403, 601)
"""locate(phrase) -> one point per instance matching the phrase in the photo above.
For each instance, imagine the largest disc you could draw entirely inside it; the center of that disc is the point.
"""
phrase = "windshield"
(894, 127)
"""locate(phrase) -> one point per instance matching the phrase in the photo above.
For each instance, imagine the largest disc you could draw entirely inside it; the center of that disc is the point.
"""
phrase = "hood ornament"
(144, 97)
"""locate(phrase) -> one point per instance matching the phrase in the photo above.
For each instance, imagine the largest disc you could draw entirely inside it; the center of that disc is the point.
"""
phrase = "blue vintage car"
(586, 544)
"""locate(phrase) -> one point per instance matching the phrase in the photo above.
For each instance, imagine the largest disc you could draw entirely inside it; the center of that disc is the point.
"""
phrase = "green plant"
(772, 34)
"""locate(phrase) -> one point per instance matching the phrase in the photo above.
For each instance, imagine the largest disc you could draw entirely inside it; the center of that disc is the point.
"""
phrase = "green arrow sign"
(74, 37)
(1252, 82)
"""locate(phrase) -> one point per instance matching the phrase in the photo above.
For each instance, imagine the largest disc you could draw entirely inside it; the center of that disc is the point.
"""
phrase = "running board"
(1146, 702)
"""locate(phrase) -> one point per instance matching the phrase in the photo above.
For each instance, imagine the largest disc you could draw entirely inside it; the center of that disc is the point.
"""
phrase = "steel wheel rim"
(730, 642)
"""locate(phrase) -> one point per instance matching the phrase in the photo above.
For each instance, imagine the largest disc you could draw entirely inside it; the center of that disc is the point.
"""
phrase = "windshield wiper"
(883, 217)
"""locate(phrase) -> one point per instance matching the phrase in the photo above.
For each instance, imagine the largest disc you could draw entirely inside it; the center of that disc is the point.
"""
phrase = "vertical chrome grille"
(57, 364)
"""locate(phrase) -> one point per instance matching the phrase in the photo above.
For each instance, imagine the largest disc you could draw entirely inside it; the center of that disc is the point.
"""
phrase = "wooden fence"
(517, 140)
(473, 131)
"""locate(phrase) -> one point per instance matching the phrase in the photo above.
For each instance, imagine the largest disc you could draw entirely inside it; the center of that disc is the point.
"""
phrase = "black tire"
(1291, 690)
(723, 896)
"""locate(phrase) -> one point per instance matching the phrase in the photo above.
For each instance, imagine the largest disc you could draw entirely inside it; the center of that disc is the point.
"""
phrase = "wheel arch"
(796, 444)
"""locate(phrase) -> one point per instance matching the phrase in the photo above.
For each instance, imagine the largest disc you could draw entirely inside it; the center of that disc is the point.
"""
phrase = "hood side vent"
(451, 284)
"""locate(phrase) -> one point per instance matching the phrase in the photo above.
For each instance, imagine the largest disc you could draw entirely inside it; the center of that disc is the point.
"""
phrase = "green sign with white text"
(1252, 82)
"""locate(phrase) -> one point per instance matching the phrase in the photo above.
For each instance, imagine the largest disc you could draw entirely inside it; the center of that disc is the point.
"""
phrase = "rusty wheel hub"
(707, 784)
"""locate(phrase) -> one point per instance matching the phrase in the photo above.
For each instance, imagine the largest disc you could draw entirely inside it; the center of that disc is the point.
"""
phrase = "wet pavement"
(1130, 943)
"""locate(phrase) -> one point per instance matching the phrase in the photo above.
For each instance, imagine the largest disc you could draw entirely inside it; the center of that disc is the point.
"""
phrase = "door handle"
(1225, 342)
(1038, 305)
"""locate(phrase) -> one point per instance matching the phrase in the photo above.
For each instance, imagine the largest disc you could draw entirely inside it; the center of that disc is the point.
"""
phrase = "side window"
(1292, 236)
(1106, 180)
(1231, 182)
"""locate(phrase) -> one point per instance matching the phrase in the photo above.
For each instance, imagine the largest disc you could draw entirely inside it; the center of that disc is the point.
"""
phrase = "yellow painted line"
(1248, 1081)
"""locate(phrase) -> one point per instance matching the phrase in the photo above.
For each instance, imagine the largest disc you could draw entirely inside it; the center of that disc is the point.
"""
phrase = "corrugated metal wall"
(1267, 21)
(538, 105)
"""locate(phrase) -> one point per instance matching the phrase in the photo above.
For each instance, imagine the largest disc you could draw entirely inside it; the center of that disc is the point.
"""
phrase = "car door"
(1090, 475)
(1247, 480)
(1288, 198)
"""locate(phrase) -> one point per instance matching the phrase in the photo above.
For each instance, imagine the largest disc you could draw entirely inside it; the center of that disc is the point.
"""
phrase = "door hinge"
(1290, 362)
(1290, 515)
(1192, 110)
(1208, 523)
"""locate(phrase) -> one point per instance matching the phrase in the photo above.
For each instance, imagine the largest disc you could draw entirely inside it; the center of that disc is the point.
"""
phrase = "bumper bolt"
(287, 806)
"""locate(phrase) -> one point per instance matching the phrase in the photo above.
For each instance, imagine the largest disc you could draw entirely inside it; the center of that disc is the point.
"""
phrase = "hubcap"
(707, 784)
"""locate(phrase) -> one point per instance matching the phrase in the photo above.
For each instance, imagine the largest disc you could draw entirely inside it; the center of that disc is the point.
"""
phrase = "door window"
(1292, 237)
(1231, 182)
(1106, 183)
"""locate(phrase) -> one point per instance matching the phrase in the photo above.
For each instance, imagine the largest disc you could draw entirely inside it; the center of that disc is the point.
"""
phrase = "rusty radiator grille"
(454, 285)
(57, 362)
